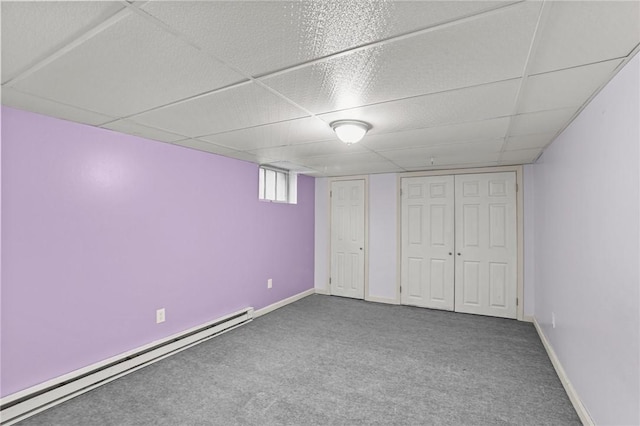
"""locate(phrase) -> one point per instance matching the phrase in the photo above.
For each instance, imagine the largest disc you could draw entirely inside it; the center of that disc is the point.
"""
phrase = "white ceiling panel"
(583, 32)
(487, 129)
(289, 132)
(529, 141)
(346, 169)
(239, 107)
(130, 127)
(130, 67)
(17, 99)
(33, 30)
(300, 152)
(456, 106)
(221, 150)
(259, 37)
(477, 164)
(468, 152)
(492, 48)
(566, 88)
(521, 156)
(540, 122)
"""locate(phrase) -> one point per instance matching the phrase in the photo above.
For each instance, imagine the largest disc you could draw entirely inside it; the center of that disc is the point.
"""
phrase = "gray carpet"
(329, 360)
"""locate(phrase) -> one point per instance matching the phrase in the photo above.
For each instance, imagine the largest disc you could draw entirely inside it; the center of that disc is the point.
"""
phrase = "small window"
(277, 185)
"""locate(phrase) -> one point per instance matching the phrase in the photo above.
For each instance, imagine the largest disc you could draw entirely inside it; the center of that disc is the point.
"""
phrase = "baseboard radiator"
(23, 404)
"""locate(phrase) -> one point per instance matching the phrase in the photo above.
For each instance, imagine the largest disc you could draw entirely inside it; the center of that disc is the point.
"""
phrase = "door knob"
(458, 254)
(450, 253)
(360, 248)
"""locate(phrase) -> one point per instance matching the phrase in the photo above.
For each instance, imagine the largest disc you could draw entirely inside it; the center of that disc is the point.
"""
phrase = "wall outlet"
(160, 316)
(553, 319)
(269, 283)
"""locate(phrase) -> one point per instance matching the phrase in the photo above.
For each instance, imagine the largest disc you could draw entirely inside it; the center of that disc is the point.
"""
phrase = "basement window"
(277, 185)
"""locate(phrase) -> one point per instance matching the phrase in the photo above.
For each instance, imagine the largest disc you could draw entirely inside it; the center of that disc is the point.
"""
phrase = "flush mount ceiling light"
(350, 131)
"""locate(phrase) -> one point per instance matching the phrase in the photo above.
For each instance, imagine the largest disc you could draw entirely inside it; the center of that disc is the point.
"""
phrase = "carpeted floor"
(334, 361)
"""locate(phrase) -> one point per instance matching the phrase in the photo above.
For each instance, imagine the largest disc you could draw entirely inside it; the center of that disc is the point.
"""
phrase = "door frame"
(364, 178)
(519, 221)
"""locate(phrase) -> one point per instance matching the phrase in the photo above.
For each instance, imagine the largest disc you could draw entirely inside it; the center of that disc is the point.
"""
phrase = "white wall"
(587, 268)
(321, 235)
(383, 240)
(529, 236)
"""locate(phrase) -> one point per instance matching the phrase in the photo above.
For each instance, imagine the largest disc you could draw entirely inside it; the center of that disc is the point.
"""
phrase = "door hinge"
(401, 192)
(517, 188)
(400, 289)
(517, 301)
(329, 280)
(330, 194)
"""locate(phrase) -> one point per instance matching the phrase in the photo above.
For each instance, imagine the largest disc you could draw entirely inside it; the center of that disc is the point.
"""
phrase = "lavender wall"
(586, 248)
(99, 229)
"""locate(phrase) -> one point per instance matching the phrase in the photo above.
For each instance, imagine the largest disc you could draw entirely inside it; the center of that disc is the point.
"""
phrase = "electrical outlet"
(160, 316)
(553, 319)
(269, 283)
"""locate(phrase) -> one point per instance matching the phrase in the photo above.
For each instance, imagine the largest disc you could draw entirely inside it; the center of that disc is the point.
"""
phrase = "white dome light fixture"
(350, 131)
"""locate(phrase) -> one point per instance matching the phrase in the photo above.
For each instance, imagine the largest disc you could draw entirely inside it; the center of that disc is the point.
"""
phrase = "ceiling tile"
(566, 88)
(446, 154)
(541, 122)
(221, 150)
(358, 169)
(492, 48)
(300, 152)
(477, 164)
(269, 36)
(289, 132)
(521, 156)
(16, 99)
(130, 127)
(456, 106)
(529, 141)
(130, 67)
(478, 130)
(238, 107)
(583, 32)
(33, 30)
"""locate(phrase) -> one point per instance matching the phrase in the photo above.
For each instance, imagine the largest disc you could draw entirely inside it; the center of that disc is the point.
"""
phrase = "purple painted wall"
(100, 229)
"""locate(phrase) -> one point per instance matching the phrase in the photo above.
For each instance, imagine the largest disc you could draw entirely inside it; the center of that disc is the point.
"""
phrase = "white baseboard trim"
(585, 418)
(28, 402)
(284, 302)
(324, 291)
(386, 300)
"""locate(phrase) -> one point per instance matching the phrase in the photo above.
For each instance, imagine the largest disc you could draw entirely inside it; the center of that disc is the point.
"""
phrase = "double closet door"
(459, 243)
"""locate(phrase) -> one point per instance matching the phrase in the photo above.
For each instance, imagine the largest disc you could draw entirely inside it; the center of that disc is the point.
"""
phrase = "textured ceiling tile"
(16, 99)
(130, 67)
(259, 37)
(132, 128)
(269, 135)
(521, 156)
(492, 48)
(566, 88)
(487, 129)
(541, 122)
(476, 164)
(358, 169)
(242, 106)
(583, 32)
(300, 152)
(457, 106)
(221, 150)
(529, 141)
(32, 30)
(463, 152)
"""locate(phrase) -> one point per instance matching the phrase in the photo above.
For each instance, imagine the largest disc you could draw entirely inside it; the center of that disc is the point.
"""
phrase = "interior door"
(427, 274)
(486, 251)
(347, 238)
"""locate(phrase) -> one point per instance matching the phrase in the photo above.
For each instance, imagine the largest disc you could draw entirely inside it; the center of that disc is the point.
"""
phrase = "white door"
(427, 274)
(347, 239)
(486, 251)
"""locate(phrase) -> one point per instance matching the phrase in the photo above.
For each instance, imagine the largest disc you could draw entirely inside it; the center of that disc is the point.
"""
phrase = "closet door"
(486, 250)
(427, 242)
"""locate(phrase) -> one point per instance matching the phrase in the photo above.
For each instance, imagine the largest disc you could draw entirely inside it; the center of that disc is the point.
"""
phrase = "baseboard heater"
(23, 404)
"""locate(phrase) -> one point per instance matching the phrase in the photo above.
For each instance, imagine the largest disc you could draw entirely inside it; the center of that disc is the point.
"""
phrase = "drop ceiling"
(444, 84)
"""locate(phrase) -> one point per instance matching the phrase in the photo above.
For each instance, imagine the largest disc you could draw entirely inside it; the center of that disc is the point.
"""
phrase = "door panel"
(347, 239)
(486, 244)
(427, 267)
